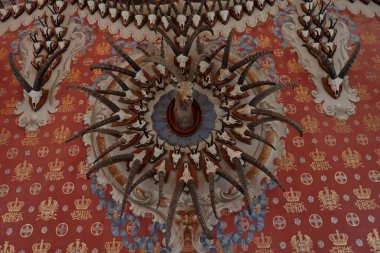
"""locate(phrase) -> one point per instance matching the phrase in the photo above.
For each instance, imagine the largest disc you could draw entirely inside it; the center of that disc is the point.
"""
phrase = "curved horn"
(52, 11)
(33, 37)
(162, 49)
(172, 208)
(170, 67)
(173, 26)
(244, 74)
(111, 67)
(174, 7)
(208, 144)
(199, 11)
(210, 57)
(210, 177)
(25, 85)
(259, 138)
(197, 207)
(243, 181)
(149, 174)
(220, 5)
(143, 50)
(188, 146)
(278, 117)
(227, 49)
(250, 58)
(111, 92)
(134, 7)
(269, 91)
(131, 62)
(38, 81)
(190, 41)
(172, 45)
(111, 160)
(109, 149)
(42, 23)
(121, 83)
(200, 46)
(256, 84)
(350, 61)
(104, 100)
(161, 178)
(112, 132)
(261, 167)
(329, 65)
(94, 126)
(230, 179)
(128, 188)
(213, 5)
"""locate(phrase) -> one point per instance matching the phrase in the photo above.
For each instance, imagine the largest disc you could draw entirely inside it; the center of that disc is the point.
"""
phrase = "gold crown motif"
(301, 90)
(11, 103)
(362, 193)
(68, 100)
(56, 165)
(292, 196)
(15, 206)
(338, 239)
(113, 246)
(31, 134)
(77, 247)
(318, 156)
(82, 204)
(263, 242)
(371, 121)
(41, 247)
(376, 59)
(340, 122)
(361, 89)
(7, 248)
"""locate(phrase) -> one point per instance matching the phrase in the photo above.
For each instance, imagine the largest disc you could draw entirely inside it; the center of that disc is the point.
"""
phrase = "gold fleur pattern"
(334, 168)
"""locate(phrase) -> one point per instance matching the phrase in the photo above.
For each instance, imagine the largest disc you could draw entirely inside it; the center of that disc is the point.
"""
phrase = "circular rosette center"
(163, 119)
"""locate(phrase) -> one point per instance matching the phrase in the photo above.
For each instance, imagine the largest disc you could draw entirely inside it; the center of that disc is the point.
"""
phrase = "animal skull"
(335, 85)
(36, 96)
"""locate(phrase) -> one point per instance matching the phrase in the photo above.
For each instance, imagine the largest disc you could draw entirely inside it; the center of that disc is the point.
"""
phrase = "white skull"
(211, 16)
(224, 14)
(182, 61)
(335, 85)
(139, 19)
(181, 19)
(125, 15)
(249, 5)
(140, 76)
(212, 150)
(36, 96)
(237, 9)
(181, 40)
(152, 18)
(196, 19)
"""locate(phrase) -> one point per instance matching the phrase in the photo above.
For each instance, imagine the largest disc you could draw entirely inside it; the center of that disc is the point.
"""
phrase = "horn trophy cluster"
(194, 153)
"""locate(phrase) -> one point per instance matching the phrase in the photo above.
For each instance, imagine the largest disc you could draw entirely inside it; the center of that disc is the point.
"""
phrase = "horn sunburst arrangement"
(189, 119)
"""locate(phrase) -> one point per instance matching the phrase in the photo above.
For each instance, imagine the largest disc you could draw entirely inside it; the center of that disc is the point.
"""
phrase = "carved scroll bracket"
(29, 119)
(342, 107)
